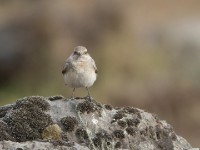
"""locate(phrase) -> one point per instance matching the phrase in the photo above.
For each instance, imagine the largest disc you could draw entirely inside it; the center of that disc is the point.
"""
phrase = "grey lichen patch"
(32, 101)
(133, 122)
(4, 110)
(4, 135)
(86, 106)
(64, 136)
(165, 144)
(57, 97)
(131, 110)
(131, 131)
(104, 135)
(119, 134)
(122, 123)
(152, 133)
(97, 142)
(118, 145)
(102, 139)
(52, 132)
(165, 136)
(156, 117)
(69, 123)
(173, 136)
(81, 134)
(161, 133)
(27, 120)
(108, 107)
(119, 115)
(144, 132)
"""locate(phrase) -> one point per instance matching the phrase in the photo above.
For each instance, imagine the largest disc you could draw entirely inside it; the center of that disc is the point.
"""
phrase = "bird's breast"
(82, 75)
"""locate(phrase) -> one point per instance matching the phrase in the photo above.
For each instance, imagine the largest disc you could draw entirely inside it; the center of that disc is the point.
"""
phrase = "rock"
(37, 145)
(54, 122)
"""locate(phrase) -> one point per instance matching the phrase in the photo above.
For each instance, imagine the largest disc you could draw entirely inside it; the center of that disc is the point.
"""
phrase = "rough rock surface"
(57, 123)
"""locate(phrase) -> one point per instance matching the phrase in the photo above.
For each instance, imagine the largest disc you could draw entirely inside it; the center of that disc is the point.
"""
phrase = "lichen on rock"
(52, 132)
(33, 102)
(102, 139)
(119, 134)
(69, 123)
(4, 110)
(58, 123)
(82, 135)
(86, 106)
(27, 118)
(4, 132)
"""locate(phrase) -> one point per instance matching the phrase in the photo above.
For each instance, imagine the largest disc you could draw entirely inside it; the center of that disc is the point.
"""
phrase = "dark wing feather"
(95, 67)
(96, 71)
(65, 68)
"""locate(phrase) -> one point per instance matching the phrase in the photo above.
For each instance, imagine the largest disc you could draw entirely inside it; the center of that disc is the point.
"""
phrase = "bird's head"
(80, 51)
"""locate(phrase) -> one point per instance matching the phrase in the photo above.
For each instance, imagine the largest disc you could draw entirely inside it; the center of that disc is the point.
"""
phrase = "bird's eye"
(76, 53)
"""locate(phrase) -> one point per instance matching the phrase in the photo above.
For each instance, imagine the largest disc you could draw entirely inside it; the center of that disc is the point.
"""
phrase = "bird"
(79, 70)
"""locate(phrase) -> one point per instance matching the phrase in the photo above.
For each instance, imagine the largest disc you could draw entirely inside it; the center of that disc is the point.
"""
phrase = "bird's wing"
(66, 68)
(94, 66)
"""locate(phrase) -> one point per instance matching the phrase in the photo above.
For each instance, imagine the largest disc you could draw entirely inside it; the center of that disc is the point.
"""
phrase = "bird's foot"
(76, 98)
(72, 98)
(89, 98)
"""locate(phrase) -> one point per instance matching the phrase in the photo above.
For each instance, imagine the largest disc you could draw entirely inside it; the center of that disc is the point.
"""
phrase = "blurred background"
(147, 54)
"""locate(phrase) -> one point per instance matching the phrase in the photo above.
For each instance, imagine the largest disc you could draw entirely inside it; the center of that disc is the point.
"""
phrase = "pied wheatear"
(79, 70)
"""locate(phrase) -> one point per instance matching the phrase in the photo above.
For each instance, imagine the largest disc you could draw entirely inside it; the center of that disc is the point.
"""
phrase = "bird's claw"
(89, 98)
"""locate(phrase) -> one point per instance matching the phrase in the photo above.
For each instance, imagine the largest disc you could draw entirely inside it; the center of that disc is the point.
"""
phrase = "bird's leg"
(88, 93)
(73, 93)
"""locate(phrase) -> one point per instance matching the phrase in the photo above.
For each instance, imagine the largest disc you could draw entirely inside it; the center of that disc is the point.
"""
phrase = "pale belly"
(81, 78)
